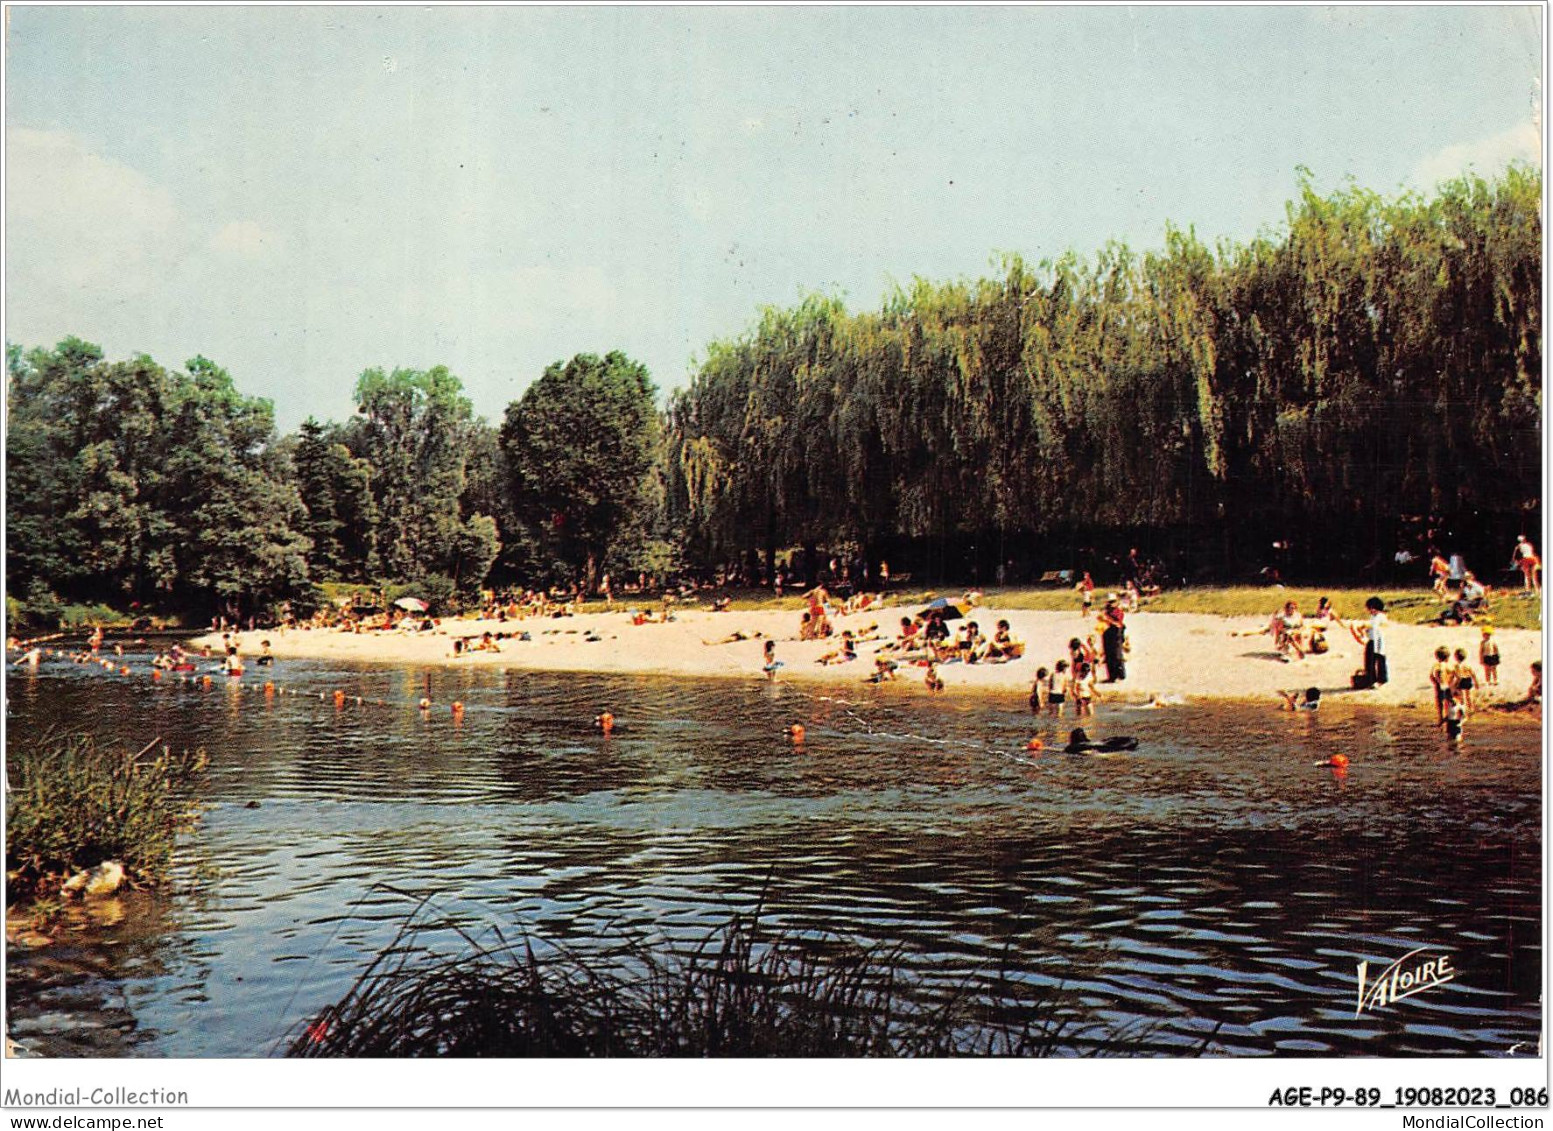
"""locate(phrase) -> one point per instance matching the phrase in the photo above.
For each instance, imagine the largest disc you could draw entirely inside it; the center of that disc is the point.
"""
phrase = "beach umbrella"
(414, 604)
(944, 607)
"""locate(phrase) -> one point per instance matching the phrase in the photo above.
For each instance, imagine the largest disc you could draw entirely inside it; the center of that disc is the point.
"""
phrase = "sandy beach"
(1172, 654)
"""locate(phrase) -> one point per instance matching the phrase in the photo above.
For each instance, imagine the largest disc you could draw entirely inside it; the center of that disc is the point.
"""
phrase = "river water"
(1213, 892)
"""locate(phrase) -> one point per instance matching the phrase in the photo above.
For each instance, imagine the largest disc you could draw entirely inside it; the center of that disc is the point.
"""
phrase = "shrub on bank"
(742, 993)
(73, 803)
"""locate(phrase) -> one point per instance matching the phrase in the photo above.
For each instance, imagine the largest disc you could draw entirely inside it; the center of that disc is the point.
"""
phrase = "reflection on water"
(1215, 882)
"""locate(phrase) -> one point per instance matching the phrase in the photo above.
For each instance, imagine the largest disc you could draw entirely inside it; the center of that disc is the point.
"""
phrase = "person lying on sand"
(734, 637)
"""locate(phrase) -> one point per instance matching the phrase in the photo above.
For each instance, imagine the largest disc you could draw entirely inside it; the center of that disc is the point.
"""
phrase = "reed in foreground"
(73, 803)
(741, 993)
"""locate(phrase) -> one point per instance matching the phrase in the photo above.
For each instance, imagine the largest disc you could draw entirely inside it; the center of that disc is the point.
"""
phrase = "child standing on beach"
(1488, 656)
(771, 664)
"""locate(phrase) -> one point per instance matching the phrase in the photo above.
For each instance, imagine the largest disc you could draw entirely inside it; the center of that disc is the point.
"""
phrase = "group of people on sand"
(1295, 636)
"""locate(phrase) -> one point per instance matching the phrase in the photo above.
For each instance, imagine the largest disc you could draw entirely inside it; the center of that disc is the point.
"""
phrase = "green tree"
(415, 431)
(579, 446)
(336, 490)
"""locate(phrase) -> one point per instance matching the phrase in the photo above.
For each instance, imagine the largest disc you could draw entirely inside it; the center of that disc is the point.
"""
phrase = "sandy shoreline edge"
(1196, 656)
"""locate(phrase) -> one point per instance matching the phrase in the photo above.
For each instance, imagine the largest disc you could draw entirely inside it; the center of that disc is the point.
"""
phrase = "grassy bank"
(73, 803)
(742, 993)
(1511, 608)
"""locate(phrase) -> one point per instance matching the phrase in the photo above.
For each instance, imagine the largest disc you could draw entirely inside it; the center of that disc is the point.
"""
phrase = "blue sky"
(301, 193)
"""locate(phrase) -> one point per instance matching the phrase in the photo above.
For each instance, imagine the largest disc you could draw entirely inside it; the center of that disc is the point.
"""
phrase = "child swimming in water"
(1311, 702)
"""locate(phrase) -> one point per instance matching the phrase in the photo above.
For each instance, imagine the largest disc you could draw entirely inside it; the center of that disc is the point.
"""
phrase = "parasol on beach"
(944, 607)
(413, 604)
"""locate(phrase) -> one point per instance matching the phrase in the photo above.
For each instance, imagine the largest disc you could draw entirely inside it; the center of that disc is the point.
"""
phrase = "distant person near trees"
(1525, 559)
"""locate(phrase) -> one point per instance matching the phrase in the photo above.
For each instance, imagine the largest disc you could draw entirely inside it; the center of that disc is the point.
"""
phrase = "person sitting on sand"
(1311, 701)
(488, 644)
(1287, 629)
(969, 643)
(846, 652)
(1534, 692)
(1003, 647)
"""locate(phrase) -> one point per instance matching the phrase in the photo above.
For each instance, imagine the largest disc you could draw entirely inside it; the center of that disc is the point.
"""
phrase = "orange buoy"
(796, 733)
(425, 704)
(458, 708)
(205, 681)
(339, 698)
(269, 689)
(1035, 744)
(1339, 759)
(605, 722)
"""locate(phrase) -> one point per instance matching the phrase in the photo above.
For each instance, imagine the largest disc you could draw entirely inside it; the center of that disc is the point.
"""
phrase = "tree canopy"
(579, 446)
(1373, 359)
